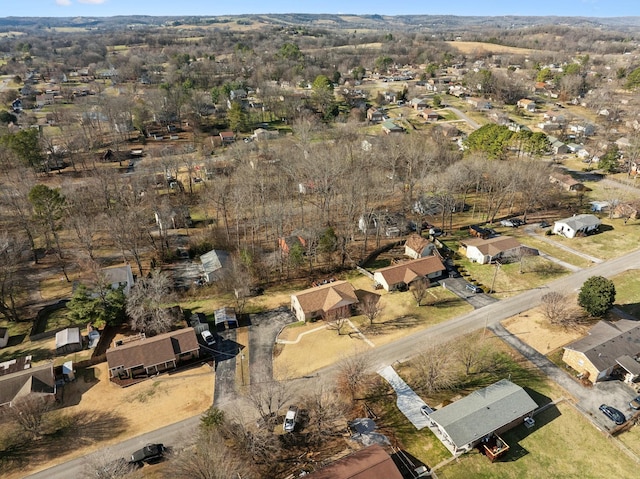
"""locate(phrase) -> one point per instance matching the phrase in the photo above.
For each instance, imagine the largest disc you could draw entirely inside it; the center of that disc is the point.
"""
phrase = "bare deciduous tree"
(370, 307)
(419, 289)
(556, 307)
(29, 412)
(336, 319)
(352, 374)
(268, 398)
(435, 369)
(209, 458)
(147, 304)
(326, 413)
(110, 466)
(472, 352)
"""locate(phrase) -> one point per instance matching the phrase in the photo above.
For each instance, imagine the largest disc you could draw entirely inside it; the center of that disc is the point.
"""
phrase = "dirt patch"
(535, 330)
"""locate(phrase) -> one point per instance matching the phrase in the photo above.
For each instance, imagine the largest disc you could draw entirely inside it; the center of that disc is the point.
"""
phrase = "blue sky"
(105, 8)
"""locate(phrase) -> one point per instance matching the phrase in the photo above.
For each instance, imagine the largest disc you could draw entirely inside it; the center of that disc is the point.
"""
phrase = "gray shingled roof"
(607, 341)
(483, 412)
(579, 222)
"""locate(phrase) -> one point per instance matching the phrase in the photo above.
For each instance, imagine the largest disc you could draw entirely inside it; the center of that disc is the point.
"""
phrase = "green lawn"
(563, 444)
(554, 251)
(628, 291)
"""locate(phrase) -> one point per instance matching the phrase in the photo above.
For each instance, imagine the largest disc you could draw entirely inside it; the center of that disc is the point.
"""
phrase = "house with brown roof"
(375, 115)
(334, 298)
(485, 251)
(401, 275)
(227, 137)
(527, 105)
(372, 462)
(430, 115)
(567, 182)
(417, 246)
(147, 356)
(285, 243)
(609, 346)
(38, 382)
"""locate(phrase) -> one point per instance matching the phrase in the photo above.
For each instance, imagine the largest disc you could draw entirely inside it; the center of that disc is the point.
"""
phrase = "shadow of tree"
(37, 354)
(65, 433)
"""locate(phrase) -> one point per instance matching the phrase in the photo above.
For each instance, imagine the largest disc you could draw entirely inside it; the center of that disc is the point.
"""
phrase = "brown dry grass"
(174, 397)
(535, 330)
(471, 47)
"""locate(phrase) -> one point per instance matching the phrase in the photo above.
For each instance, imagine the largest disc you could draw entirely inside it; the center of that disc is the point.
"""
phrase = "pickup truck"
(149, 453)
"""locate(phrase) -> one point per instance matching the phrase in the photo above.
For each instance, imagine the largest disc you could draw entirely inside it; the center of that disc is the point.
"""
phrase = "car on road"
(635, 403)
(613, 414)
(208, 337)
(473, 288)
(425, 410)
(149, 453)
(544, 224)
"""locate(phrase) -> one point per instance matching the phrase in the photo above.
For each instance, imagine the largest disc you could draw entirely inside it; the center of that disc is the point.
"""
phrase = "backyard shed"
(68, 341)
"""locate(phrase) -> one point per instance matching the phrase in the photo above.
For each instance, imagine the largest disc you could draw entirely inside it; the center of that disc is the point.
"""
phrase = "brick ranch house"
(335, 298)
(147, 356)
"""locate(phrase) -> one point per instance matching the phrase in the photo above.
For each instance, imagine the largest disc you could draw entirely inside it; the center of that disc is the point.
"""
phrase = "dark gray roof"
(579, 222)
(629, 364)
(483, 412)
(607, 341)
(37, 380)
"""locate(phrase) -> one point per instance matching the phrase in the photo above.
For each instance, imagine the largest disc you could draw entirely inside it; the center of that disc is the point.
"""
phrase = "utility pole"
(495, 274)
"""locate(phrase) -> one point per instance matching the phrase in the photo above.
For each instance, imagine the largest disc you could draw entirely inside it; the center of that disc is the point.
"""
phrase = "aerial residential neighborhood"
(319, 245)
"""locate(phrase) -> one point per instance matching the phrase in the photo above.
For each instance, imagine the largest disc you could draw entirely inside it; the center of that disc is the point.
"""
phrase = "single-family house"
(215, 265)
(549, 126)
(479, 103)
(285, 243)
(401, 275)
(45, 99)
(449, 130)
(609, 346)
(227, 137)
(417, 246)
(599, 206)
(390, 96)
(147, 356)
(577, 224)
(585, 129)
(68, 341)
(430, 115)
(566, 181)
(335, 298)
(372, 462)
(527, 105)
(480, 232)
(4, 337)
(482, 415)
(14, 365)
(485, 251)
(499, 117)
(559, 148)
(115, 276)
(39, 381)
(375, 115)
(419, 103)
(390, 126)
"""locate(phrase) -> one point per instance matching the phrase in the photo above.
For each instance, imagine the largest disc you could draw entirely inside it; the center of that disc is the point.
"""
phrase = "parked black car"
(613, 414)
(149, 453)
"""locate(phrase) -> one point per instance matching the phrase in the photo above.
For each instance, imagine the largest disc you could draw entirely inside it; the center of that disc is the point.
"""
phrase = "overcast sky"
(105, 8)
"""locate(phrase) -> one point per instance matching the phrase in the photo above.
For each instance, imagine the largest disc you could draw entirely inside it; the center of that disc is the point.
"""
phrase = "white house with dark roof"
(482, 415)
(485, 251)
(570, 227)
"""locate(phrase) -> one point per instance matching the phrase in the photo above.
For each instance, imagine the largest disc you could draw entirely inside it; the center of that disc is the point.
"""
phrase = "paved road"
(384, 355)
(471, 122)
(458, 286)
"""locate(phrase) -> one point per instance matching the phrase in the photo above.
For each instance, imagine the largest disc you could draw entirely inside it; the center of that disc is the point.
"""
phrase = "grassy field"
(554, 251)
(562, 444)
(509, 281)
(628, 291)
(470, 47)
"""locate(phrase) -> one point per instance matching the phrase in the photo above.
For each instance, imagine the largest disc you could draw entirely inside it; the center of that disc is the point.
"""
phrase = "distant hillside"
(381, 22)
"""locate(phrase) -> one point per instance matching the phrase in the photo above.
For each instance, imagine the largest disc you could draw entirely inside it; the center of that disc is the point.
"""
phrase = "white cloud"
(92, 2)
(63, 3)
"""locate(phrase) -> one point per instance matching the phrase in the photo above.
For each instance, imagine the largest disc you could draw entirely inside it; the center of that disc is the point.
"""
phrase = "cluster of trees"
(498, 141)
